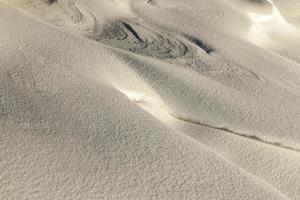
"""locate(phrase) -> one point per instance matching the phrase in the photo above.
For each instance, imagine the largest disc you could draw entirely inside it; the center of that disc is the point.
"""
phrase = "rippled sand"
(150, 99)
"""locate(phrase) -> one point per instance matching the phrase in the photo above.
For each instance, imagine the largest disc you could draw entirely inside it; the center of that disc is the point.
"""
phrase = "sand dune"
(149, 99)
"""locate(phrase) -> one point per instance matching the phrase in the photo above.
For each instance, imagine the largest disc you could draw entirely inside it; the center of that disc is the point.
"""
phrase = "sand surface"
(149, 99)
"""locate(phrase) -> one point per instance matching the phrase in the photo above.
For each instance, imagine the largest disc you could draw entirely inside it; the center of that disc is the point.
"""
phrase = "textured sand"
(150, 99)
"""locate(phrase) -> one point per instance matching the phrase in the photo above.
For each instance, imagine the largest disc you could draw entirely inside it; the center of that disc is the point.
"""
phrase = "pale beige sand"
(150, 99)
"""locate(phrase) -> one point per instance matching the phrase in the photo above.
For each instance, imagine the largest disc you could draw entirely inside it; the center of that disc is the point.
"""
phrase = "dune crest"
(149, 99)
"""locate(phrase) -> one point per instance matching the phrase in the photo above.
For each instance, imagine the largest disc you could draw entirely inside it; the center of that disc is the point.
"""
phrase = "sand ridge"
(123, 99)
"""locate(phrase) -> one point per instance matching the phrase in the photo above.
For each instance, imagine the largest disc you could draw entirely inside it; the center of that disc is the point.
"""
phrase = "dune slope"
(149, 99)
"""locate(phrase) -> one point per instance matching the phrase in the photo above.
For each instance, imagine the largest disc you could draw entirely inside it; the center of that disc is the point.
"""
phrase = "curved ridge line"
(224, 129)
(260, 179)
(246, 172)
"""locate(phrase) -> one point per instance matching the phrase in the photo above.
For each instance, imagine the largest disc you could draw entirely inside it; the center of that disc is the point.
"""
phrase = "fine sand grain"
(150, 99)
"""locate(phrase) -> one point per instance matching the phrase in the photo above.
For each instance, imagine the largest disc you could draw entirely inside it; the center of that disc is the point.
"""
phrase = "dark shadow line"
(224, 129)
